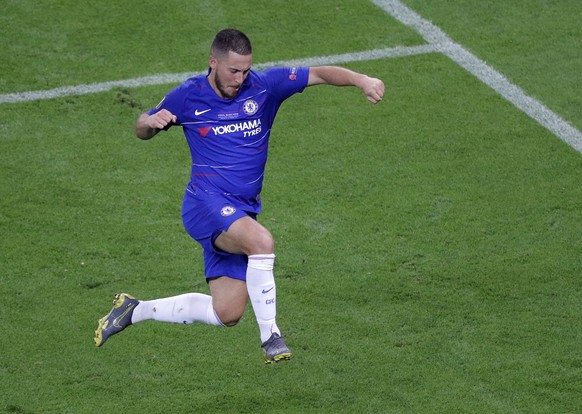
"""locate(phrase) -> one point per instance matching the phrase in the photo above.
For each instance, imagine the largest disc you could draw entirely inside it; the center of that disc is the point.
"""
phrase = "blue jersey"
(228, 138)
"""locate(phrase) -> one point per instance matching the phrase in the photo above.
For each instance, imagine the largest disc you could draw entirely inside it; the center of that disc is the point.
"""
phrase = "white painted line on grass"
(375, 54)
(392, 52)
(94, 87)
(495, 80)
(437, 40)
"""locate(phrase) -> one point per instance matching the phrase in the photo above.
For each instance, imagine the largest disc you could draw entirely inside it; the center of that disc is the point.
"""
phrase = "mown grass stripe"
(477, 67)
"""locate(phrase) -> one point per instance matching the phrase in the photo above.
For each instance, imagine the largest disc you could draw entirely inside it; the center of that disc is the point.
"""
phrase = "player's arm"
(147, 126)
(337, 76)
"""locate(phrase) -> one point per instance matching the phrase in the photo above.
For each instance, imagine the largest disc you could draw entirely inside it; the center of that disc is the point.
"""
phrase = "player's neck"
(212, 82)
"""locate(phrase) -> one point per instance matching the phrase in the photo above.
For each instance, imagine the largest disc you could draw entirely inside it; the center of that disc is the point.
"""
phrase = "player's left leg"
(247, 236)
(263, 292)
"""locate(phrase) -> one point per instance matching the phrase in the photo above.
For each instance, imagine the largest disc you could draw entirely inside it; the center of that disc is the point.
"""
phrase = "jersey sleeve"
(173, 102)
(284, 82)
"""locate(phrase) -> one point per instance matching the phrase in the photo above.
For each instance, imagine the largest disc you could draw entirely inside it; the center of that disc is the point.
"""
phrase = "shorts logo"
(227, 211)
(293, 74)
(250, 107)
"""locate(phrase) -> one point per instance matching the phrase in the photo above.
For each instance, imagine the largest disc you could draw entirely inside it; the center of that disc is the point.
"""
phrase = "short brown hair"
(231, 40)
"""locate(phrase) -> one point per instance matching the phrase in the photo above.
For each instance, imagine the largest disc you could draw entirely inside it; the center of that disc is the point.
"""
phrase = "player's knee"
(229, 317)
(231, 323)
(229, 320)
(264, 243)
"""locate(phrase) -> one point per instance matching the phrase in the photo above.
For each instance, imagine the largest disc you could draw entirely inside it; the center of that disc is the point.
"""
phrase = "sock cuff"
(262, 261)
(213, 317)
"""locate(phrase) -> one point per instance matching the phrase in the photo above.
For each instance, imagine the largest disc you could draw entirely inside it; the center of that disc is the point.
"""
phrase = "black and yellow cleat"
(117, 319)
(275, 349)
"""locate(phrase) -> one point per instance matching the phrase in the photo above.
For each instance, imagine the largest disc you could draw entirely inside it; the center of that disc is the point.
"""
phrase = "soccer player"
(227, 116)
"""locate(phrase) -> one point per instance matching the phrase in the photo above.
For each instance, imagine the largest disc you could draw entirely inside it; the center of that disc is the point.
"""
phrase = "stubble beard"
(223, 89)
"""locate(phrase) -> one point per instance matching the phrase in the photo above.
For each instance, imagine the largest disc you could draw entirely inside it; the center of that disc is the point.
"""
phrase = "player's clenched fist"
(373, 89)
(149, 125)
(161, 119)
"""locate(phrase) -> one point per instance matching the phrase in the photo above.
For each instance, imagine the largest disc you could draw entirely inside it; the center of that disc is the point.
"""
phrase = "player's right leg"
(229, 298)
(184, 309)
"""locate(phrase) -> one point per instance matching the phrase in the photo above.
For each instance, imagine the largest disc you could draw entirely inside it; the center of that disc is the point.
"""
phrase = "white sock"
(262, 292)
(187, 309)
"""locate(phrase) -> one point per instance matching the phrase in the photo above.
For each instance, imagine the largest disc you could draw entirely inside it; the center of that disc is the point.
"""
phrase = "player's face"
(228, 73)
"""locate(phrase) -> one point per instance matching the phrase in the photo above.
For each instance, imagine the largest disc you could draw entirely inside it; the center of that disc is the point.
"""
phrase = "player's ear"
(213, 62)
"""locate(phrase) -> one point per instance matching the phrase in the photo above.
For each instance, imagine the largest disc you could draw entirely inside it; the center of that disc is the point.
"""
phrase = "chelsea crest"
(250, 107)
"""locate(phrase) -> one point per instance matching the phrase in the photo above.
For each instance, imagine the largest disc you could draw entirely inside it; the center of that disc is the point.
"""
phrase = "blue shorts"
(205, 216)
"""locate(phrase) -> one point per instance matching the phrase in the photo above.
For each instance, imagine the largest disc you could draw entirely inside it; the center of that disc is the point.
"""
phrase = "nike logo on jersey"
(268, 290)
(198, 113)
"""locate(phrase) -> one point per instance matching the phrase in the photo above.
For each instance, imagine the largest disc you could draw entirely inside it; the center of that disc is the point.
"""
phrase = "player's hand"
(161, 119)
(373, 89)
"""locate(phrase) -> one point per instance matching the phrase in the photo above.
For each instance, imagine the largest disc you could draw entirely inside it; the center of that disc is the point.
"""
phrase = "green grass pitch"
(428, 248)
